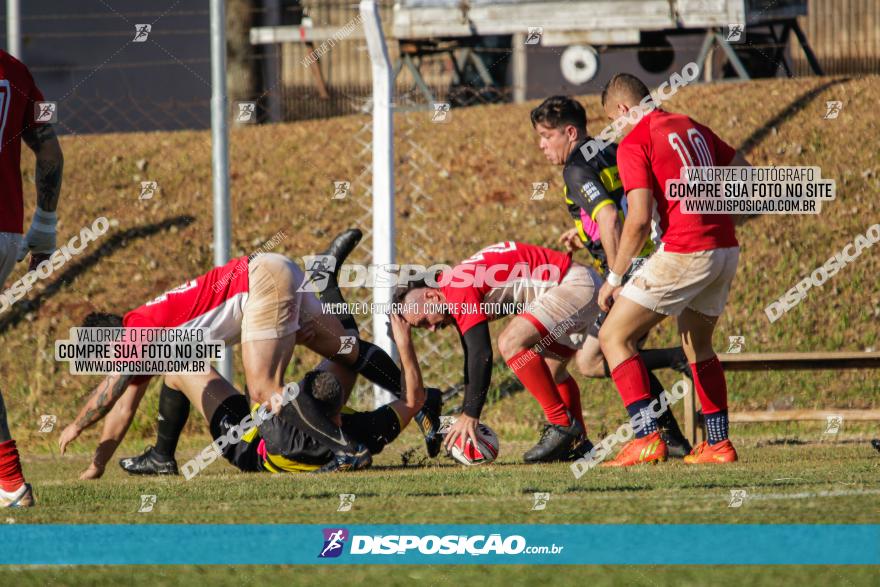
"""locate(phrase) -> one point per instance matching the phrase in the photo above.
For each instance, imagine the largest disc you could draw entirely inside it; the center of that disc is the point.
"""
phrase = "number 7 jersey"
(655, 152)
(18, 96)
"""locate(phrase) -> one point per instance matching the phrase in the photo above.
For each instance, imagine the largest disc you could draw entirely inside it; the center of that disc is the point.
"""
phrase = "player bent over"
(259, 302)
(554, 302)
(594, 197)
(19, 97)
(294, 448)
(688, 277)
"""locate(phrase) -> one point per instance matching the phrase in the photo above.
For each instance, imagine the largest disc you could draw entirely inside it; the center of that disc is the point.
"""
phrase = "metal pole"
(13, 28)
(383, 178)
(220, 150)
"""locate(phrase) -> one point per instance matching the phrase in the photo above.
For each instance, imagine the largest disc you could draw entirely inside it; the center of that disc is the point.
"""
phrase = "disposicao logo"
(334, 541)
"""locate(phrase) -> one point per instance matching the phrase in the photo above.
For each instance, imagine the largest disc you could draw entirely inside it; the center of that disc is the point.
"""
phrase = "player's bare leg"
(562, 429)
(14, 492)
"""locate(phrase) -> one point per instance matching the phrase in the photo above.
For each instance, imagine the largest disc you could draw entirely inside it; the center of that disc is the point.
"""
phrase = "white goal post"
(383, 178)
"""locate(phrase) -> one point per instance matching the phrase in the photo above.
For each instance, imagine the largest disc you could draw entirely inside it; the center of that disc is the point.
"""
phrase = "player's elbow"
(739, 160)
(50, 151)
(638, 225)
(608, 221)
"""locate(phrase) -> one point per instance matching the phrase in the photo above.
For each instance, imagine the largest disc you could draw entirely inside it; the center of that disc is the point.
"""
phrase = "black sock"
(173, 413)
(666, 420)
(377, 366)
(663, 358)
(332, 297)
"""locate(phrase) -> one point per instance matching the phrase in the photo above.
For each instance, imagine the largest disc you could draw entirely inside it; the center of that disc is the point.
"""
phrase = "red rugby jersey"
(654, 152)
(507, 273)
(18, 96)
(214, 301)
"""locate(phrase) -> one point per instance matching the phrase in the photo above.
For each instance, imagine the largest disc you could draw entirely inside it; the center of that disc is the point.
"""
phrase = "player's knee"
(173, 381)
(607, 340)
(593, 369)
(508, 345)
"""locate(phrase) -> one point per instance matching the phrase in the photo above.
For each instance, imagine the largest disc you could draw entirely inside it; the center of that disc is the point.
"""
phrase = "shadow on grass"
(73, 269)
(793, 108)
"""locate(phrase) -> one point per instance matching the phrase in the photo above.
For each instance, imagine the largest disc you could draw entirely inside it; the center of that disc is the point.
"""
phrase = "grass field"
(787, 481)
(461, 186)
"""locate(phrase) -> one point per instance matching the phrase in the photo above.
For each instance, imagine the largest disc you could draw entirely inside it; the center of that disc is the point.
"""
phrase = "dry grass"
(460, 186)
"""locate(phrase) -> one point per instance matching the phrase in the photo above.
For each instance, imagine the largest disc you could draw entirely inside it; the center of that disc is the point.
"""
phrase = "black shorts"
(374, 429)
(241, 454)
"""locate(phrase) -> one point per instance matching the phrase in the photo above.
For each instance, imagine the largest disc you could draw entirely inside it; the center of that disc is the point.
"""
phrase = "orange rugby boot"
(650, 449)
(705, 453)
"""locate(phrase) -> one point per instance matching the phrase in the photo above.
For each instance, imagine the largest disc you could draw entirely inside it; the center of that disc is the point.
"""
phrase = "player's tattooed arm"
(50, 164)
(102, 400)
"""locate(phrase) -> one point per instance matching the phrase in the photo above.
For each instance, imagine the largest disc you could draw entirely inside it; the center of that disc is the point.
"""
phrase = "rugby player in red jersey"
(258, 301)
(594, 197)
(689, 277)
(19, 97)
(553, 301)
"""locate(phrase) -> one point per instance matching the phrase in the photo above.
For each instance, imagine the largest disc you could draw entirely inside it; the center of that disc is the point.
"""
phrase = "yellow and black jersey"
(373, 429)
(590, 186)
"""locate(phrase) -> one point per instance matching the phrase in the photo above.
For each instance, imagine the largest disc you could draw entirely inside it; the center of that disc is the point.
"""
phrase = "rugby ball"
(466, 453)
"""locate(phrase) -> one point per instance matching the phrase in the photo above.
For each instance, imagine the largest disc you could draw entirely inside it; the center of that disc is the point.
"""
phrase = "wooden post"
(690, 416)
(519, 67)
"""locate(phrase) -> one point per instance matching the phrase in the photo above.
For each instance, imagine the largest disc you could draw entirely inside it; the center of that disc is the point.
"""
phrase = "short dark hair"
(627, 84)
(560, 111)
(419, 282)
(102, 320)
(326, 390)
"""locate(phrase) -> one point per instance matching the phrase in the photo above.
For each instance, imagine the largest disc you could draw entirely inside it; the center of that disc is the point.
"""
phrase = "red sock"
(710, 385)
(531, 369)
(631, 379)
(10, 467)
(571, 397)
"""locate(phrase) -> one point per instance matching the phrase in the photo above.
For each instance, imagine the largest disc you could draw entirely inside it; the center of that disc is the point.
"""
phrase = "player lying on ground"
(554, 302)
(594, 196)
(373, 429)
(293, 448)
(19, 96)
(258, 302)
(688, 277)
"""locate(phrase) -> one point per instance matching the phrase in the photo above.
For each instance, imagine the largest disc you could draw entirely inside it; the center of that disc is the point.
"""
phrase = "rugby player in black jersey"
(290, 448)
(594, 195)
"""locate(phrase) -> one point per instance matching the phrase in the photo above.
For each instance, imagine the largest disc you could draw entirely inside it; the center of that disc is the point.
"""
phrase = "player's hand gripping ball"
(465, 452)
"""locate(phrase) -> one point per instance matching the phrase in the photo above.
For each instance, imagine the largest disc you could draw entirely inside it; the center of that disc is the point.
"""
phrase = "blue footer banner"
(612, 544)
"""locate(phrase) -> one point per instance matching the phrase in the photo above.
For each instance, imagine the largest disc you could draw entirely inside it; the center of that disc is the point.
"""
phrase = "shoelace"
(546, 432)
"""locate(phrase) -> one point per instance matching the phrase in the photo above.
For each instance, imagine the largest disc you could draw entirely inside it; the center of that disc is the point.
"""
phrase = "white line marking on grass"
(808, 495)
